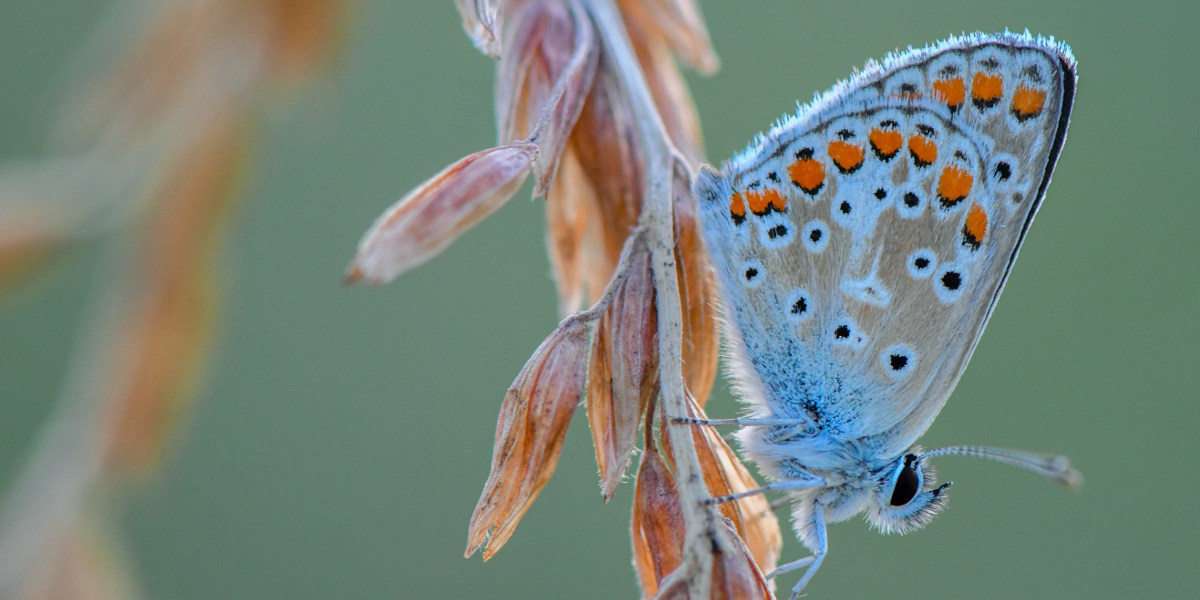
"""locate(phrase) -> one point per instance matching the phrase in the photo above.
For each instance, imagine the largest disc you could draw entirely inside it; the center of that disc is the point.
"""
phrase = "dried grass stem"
(656, 225)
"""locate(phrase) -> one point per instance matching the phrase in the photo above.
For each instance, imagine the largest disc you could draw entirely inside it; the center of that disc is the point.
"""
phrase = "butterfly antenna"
(1052, 466)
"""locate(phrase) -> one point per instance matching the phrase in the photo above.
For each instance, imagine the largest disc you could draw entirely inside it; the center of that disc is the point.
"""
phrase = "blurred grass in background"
(342, 436)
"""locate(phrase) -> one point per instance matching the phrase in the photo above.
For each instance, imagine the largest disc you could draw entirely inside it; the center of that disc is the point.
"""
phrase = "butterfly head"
(907, 495)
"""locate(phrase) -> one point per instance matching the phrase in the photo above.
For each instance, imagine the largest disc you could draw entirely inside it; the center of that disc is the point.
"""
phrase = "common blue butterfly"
(861, 246)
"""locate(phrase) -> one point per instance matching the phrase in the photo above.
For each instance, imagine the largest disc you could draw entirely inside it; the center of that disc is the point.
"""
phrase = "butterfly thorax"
(860, 483)
(805, 450)
(849, 491)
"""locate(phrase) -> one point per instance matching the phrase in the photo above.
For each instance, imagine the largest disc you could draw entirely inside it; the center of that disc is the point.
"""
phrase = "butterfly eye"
(908, 483)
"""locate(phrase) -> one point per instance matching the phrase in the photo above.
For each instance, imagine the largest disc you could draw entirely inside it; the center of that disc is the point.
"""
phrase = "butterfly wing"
(863, 243)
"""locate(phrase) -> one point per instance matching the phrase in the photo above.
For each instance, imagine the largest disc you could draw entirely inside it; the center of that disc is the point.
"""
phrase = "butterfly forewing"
(862, 244)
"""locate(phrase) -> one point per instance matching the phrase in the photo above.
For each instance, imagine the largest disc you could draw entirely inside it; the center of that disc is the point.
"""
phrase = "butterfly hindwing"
(862, 244)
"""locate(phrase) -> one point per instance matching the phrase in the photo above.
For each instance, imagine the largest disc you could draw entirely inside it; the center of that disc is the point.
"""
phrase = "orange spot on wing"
(885, 142)
(986, 89)
(848, 157)
(923, 150)
(1027, 102)
(975, 227)
(809, 174)
(952, 91)
(953, 185)
(757, 201)
(776, 200)
(737, 205)
(763, 201)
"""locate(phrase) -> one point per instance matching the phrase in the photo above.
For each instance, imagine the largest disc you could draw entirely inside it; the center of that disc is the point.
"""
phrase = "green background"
(343, 435)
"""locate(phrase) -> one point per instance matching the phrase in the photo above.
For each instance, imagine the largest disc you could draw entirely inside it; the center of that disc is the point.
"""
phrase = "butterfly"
(860, 247)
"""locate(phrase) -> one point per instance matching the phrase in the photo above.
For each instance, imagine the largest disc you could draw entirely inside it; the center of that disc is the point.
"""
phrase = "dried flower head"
(589, 98)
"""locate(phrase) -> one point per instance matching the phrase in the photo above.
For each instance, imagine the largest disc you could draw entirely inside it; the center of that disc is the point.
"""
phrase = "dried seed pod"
(479, 21)
(429, 218)
(676, 24)
(623, 376)
(604, 144)
(550, 56)
(668, 89)
(735, 574)
(533, 422)
(557, 117)
(570, 214)
(697, 288)
(657, 530)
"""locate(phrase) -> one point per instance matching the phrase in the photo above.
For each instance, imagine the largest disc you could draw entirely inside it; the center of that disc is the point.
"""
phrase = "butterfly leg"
(792, 566)
(741, 422)
(778, 486)
(812, 562)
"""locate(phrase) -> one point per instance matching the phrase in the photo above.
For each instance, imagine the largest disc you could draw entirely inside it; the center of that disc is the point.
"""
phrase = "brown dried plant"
(148, 157)
(590, 101)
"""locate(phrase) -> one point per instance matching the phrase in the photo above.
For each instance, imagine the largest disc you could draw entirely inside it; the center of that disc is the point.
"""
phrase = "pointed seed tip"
(475, 541)
(708, 63)
(353, 275)
(608, 491)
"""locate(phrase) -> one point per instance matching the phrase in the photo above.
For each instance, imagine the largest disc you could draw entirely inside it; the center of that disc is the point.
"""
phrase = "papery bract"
(623, 375)
(605, 148)
(545, 42)
(735, 574)
(697, 288)
(570, 220)
(667, 86)
(724, 475)
(657, 529)
(529, 434)
(479, 21)
(547, 74)
(679, 25)
(429, 218)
